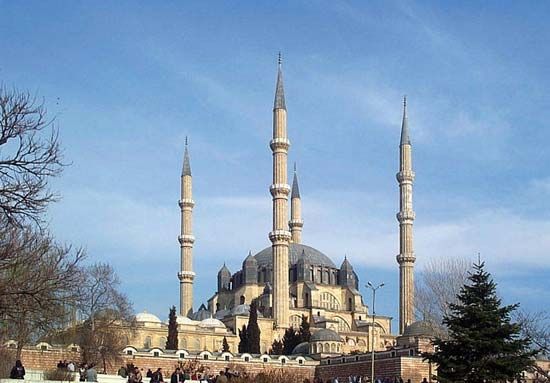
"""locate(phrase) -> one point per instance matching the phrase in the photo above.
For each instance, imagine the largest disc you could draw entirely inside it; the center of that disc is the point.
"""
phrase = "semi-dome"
(297, 252)
(211, 323)
(220, 314)
(325, 334)
(301, 349)
(419, 328)
(147, 317)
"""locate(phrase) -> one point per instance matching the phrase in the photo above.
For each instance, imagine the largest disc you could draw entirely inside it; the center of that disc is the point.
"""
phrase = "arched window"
(147, 342)
(333, 347)
(242, 300)
(306, 303)
(295, 321)
(343, 325)
(350, 304)
(329, 301)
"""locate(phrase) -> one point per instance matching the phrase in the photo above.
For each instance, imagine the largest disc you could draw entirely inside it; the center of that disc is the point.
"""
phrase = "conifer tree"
(253, 330)
(243, 343)
(304, 332)
(225, 345)
(290, 340)
(483, 345)
(276, 347)
(172, 341)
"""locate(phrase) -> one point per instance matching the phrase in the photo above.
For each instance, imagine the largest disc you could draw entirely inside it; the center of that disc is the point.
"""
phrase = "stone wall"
(386, 366)
(36, 359)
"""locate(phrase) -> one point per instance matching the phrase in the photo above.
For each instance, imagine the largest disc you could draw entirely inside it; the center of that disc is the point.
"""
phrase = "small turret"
(347, 275)
(224, 279)
(250, 269)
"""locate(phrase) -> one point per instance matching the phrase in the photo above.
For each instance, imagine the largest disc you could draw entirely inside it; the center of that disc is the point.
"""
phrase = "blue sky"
(129, 80)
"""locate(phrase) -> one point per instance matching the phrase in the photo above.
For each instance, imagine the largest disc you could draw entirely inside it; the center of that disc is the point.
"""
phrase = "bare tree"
(107, 315)
(437, 286)
(39, 281)
(536, 327)
(29, 155)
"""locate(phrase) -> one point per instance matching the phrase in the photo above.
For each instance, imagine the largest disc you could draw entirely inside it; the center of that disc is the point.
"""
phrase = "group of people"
(135, 375)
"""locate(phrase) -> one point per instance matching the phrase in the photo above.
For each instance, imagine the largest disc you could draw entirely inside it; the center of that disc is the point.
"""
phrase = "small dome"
(147, 317)
(180, 319)
(325, 335)
(301, 349)
(243, 310)
(211, 323)
(419, 328)
(202, 314)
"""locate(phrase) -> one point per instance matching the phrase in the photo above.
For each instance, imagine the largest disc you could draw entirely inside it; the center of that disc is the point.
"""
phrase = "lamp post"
(373, 288)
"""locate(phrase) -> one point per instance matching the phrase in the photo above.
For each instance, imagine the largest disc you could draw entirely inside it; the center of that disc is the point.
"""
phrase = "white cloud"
(338, 223)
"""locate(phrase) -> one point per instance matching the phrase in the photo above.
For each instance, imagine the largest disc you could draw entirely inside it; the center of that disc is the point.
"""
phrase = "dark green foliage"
(225, 345)
(276, 348)
(243, 343)
(253, 330)
(483, 344)
(290, 340)
(304, 332)
(172, 341)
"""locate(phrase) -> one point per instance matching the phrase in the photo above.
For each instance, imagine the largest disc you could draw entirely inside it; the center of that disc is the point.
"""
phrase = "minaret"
(280, 236)
(186, 238)
(406, 257)
(296, 222)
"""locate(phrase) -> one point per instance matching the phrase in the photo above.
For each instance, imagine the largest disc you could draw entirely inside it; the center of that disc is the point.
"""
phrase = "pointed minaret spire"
(186, 238)
(295, 188)
(296, 222)
(186, 170)
(279, 92)
(406, 257)
(405, 140)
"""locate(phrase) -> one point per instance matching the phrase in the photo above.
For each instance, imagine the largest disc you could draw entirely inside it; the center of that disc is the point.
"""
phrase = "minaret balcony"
(278, 144)
(296, 223)
(186, 239)
(405, 175)
(279, 237)
(186, 202)
(279, 189)
(405, 258)
(186, 276)
(406, 215)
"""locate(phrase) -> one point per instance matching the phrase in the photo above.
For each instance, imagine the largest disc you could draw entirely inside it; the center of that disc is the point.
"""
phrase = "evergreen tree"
(172, 341)
(290, 340)
(225, 345)
(483, 344)
(304, 332)
(276, 347)
(253, 330)
(243, 343)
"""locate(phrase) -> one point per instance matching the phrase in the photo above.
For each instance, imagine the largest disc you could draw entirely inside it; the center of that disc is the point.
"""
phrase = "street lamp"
(373, 288)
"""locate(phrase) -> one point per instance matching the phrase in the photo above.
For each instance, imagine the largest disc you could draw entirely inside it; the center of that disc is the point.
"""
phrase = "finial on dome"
(280, 59)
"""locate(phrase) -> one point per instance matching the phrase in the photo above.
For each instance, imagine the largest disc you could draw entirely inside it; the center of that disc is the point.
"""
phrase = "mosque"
(288, 279)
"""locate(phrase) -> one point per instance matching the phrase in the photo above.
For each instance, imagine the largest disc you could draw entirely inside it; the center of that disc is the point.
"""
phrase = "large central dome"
(297, 251)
